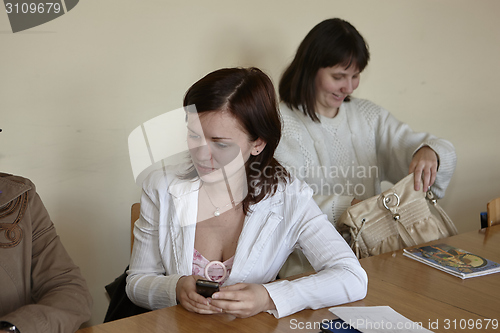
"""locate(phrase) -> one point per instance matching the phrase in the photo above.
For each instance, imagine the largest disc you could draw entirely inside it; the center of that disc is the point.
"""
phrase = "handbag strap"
(452, 229)
(405, 236)
(355, 241)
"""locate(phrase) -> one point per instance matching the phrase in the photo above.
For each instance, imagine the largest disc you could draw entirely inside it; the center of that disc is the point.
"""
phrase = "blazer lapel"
(182, 230)
(257, 230)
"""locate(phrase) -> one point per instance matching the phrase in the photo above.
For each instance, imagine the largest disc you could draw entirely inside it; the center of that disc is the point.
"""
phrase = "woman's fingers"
(424, 166)
(243, 300)
(190, 299)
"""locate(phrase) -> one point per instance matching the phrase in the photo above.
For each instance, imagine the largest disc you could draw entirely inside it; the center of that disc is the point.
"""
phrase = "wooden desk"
(479, 295)
(420, 293)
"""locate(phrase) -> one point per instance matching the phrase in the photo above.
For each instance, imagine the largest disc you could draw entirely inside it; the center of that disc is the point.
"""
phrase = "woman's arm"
(401, 151)
(147, 283)
(339, 279)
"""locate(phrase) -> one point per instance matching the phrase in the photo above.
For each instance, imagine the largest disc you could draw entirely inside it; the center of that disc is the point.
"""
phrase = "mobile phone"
(206, 288)
(337, 325)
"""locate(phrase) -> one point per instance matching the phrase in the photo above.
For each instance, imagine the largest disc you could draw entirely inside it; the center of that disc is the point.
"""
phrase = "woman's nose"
(348, 87)
(203, 152)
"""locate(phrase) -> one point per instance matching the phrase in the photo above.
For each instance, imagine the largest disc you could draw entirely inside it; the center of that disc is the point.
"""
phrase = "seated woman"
(234, 215)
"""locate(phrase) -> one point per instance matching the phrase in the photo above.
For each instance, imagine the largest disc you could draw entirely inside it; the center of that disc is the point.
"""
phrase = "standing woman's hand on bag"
(424, 164)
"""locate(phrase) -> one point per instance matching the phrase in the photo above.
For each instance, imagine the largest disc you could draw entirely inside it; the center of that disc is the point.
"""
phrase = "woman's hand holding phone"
(243, 299)
(190, 299)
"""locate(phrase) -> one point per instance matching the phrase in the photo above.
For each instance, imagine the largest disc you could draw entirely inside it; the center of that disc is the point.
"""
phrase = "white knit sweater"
(348, 156)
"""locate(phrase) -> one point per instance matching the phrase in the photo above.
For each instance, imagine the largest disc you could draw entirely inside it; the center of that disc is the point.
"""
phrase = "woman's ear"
(258, 146)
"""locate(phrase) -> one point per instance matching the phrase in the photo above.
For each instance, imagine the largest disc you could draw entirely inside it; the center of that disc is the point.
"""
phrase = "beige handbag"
(397, 218)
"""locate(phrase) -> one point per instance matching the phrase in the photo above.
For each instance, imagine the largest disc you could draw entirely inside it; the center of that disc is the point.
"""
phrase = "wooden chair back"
(493, 211)
(135, 212)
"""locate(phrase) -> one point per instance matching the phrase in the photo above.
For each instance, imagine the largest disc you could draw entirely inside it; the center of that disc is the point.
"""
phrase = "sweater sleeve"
(339, 277)
(333, 205)
(61, 299)
(148, 285)
(397, 143)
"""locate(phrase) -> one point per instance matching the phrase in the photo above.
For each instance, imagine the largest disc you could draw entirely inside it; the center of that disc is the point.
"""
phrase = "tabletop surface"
(439, 301)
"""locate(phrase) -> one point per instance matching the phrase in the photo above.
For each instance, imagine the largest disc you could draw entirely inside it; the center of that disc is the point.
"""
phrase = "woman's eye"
(338, 78)
(221, 145)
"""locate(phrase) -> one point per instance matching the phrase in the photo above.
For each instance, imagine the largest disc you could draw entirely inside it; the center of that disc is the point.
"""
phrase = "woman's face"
(216, 140)
(333, 85)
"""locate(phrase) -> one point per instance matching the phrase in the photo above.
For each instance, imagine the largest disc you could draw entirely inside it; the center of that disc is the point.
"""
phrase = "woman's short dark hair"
(249, 95)
(330, 43)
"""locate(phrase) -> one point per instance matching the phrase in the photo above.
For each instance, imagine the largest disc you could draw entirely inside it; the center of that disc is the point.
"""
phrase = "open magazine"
(453, 260)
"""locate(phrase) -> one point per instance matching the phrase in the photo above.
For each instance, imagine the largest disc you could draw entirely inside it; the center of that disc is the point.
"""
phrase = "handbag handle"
(355, 241)
(452, 229)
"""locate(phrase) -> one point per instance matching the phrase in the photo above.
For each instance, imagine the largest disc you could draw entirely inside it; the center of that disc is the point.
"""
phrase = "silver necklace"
(217, 209)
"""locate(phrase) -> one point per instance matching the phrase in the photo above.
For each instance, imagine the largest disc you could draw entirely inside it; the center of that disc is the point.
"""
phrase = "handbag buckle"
(388, 200)
(430, 196)
(391, 201)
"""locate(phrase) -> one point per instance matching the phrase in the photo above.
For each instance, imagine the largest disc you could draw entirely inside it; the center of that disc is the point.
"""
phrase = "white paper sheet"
(376, 319)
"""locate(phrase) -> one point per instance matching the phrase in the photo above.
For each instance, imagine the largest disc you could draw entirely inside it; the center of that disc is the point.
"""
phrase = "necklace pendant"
(217, 213)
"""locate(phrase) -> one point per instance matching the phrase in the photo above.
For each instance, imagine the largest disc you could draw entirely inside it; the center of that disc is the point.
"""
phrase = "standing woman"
(232, 215)
(342, 146)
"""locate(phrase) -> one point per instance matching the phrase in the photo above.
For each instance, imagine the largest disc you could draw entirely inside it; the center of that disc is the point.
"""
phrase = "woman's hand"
(243, 299)
(424, 164)
(190, 299)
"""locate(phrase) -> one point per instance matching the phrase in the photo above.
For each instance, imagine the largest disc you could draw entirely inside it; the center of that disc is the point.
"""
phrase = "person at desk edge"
(236, 210)
(41, 289)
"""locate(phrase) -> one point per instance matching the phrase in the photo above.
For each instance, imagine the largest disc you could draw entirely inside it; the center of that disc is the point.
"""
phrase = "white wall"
(73, 89)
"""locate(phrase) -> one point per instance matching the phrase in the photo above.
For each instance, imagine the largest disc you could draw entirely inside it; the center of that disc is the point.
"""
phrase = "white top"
(348, 156)
(164, 245)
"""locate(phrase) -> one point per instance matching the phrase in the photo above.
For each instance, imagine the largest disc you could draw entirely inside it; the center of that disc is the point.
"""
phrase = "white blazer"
(164, 245)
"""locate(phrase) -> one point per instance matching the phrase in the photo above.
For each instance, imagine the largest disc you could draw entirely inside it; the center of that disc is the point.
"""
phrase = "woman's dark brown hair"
(248, 94)
(330, 43)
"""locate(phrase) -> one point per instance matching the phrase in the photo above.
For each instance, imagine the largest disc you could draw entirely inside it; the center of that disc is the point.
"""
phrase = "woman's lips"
(204, 169)
(337, 97)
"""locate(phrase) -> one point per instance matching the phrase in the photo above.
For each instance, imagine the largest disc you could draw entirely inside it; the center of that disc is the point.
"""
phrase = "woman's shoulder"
(9, 178)
(362, 106)
(295, 123)
(364, 110)
(290, 114)
(293, 191)
(291, 202)
(13, 186)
